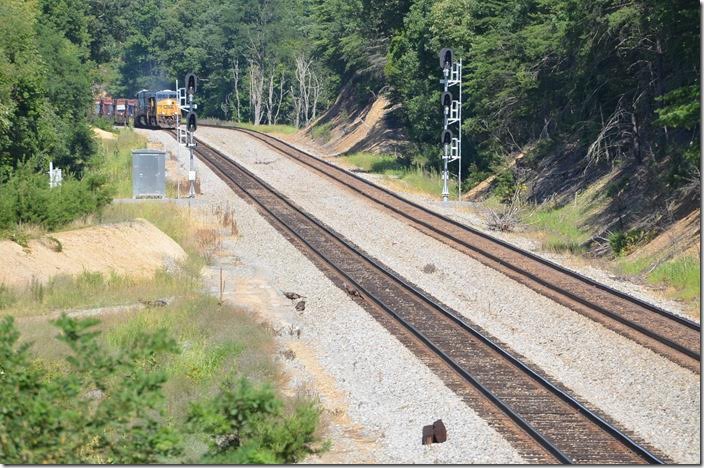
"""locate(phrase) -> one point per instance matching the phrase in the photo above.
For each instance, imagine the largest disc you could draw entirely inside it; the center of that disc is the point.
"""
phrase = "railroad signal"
(446, 101)
(447, 137)
(191, 122)
(452, 114)
(446, 58)
(191, 82)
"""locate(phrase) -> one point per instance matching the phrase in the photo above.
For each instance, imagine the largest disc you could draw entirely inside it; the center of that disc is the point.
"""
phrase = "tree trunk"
(281, 98)
(236, 77)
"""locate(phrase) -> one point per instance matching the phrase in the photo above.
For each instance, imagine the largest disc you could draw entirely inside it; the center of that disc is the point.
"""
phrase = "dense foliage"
(45, 95)
(107, 405)
(105, 409)
(617, 79)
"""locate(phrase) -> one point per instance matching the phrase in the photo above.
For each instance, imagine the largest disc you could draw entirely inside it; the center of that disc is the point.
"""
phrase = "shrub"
(249, 425)
(27, 198)
(623, 242)
(105, 409)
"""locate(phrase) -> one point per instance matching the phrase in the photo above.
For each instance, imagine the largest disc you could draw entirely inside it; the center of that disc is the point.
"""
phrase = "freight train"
(120, 110)
(151, 109)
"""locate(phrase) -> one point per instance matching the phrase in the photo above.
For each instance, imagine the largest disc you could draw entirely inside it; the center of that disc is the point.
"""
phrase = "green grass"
(377, 163)
(117, 156)
(322, 133)
(414, 179)
(215, 341)
(90, 289)
(682, 274)
(562, 226)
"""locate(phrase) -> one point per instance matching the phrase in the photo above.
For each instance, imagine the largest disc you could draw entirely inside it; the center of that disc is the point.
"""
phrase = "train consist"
(151, 109)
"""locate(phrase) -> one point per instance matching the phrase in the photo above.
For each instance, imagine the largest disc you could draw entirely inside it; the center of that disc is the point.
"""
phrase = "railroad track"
(670, 335)
(553, 426)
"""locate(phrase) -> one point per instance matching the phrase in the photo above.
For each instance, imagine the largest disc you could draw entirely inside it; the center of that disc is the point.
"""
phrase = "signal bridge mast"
(452, 114)
(185, 134)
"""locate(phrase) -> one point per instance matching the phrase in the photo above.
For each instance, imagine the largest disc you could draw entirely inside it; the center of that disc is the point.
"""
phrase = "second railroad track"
(668, 334)
(551, 425)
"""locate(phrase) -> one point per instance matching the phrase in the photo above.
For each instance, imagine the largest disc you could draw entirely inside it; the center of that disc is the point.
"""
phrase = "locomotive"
(156, 109)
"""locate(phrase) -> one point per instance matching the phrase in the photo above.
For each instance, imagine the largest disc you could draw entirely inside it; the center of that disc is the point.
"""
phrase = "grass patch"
(90, 289)
(370, 162)
(682, 275)
(215, 341)
(561, 226)
(117, 156)
(322, 133)
(400, 176)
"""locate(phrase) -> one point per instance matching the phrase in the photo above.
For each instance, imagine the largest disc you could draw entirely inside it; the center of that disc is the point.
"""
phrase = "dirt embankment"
(136, 248)
(357, 121)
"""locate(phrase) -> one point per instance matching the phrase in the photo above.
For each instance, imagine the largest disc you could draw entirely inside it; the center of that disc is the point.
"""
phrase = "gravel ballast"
(389, 392)
(642, 391)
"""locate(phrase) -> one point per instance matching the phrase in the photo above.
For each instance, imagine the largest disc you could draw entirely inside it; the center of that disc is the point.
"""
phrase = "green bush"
(27, 198)
(248, 424)
(107, 408)
(505, 185)
(623, 242)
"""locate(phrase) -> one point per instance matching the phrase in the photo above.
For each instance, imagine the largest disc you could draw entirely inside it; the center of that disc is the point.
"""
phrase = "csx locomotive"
(156, 109)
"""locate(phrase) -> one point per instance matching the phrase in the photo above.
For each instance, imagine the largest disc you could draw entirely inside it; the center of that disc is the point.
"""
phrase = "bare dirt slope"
(355, 122)
(136, 248)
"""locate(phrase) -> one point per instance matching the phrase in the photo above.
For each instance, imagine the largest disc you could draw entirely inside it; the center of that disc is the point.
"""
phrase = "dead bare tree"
(281, 97)
(256, 91)
(270, 100)
(236, 77)
(303, 79)
(315, 88)
(309, 90)
(296, 108)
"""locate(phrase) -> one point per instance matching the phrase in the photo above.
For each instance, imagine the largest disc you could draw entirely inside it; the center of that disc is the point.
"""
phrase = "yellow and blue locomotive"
(156, 109)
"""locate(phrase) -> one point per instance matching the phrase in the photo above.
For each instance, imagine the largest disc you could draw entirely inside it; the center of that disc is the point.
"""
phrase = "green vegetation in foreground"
(149, 389)
(682, 274)
(403, 177)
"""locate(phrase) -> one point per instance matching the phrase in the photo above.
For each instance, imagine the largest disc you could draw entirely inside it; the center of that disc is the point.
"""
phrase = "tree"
(104, 410)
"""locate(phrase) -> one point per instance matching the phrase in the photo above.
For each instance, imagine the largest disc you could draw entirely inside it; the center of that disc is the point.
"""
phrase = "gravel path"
(616, 375)
(389, 392)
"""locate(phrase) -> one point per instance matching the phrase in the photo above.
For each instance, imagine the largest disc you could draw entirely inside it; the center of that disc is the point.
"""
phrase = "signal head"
(446, 58)
(191, 122)
(191, 83)
(447, 137)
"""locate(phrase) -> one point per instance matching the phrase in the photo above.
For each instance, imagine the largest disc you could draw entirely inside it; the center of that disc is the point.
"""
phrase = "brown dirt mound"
(135, 248)
(103, 135)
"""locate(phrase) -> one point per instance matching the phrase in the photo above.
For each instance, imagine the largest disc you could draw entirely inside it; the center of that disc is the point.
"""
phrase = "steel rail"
(647, 456)
(546, 283)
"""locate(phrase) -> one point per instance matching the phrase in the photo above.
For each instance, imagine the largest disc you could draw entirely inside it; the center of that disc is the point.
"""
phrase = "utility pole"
(452, 114)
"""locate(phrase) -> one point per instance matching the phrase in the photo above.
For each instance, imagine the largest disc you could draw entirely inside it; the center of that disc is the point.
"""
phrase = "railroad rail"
(668, 334)
(563, 428)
